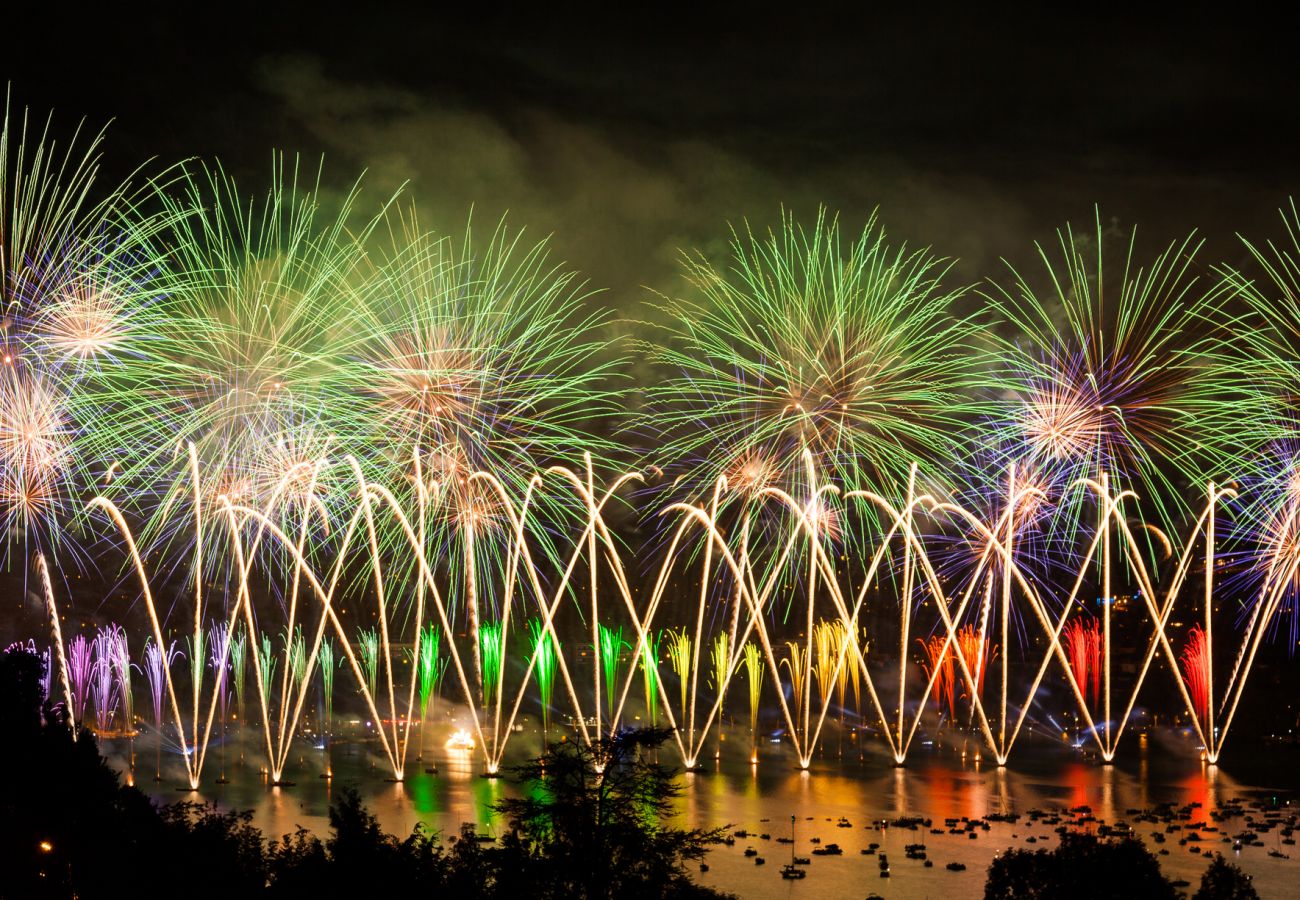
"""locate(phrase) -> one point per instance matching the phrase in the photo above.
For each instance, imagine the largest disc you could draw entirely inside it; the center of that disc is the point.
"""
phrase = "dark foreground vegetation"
(591, 824)
(1084, 867)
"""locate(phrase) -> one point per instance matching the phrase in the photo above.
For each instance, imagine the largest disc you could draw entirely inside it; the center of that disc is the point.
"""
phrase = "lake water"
(939, 782)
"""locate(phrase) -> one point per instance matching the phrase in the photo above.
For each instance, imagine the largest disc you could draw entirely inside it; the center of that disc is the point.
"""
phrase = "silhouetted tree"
(1081, 868)
(591, 823)
(1224, 881)
(592, 826)
(357, 853)
(65, 823)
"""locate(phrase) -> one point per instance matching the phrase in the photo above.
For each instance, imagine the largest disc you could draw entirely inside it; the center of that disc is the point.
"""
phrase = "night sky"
(629, 140)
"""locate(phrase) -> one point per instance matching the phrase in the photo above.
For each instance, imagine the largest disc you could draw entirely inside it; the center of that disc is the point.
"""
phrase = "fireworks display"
(317, 434)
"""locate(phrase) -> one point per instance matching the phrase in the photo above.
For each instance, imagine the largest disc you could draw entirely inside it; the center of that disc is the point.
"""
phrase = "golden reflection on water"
(736, 793)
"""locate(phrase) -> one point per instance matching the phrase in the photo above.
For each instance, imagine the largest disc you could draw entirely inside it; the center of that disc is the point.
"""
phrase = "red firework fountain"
(1083, 646)
(978, 653)
(1195, 660)
(939, 659)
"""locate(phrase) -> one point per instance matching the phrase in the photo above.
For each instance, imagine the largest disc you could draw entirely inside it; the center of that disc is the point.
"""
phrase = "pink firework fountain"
(156, 664)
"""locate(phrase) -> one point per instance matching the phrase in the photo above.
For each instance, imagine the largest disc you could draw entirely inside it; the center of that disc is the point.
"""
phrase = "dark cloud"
(973, 134)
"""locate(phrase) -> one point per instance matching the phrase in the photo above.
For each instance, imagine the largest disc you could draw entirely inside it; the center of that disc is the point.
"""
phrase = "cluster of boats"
(1240, 823)
(796, 868)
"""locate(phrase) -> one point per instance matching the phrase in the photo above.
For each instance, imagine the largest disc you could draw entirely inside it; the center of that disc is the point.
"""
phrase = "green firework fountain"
(650, 675)
(491, 647)
(268, 667)
(368, 644)
(325, 659)
(543, 650)
(611, 649)
(296, 654)
(679, 657)
(720, 656)
(239, 681)
(431, 669)
(753, 662)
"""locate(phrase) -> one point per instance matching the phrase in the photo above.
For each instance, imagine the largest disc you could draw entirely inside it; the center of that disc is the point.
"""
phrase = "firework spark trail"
(239, 672)
(262, 336)
(720, 657)
(813, 522)
(156, 660)
(218, 657)
(1103, 366)
(368, 648)
(327, 663)
(679, 656)
(479, 362)
(978, 652)
(796, 663)
(76, 255)
(810, 526)
(266, 677)
(807, 340)
(52, 611)
(492, 654)
(610, 652)
(48, 664)
(103, 697)
(828, 638)
(431, 668)
(327, 666)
